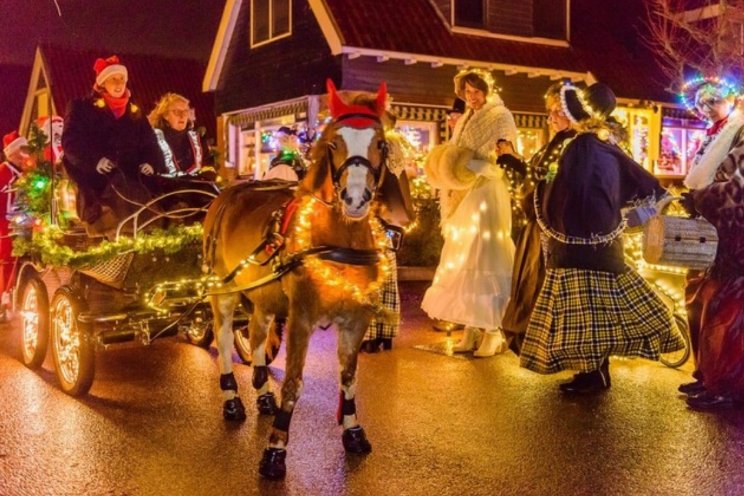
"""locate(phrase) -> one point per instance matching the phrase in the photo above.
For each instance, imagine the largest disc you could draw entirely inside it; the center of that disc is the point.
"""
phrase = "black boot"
(709, 401)
(355, 441)
(273, 465)
(587, 382)
(370, 346)
(692, 388)
(387, 343)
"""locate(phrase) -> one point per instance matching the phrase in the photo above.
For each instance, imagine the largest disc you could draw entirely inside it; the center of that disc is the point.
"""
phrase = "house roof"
(13, 86)
(603, 41)
(70, 75)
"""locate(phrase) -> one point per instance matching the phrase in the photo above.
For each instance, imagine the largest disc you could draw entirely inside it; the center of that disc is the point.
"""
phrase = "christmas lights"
(724, 87)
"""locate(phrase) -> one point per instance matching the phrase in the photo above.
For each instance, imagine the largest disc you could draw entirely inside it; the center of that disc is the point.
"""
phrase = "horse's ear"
(381, 100)
(318, 181)
(395, 196)
(336, 106)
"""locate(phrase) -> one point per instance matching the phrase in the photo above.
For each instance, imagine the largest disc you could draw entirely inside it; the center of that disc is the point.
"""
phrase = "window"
(270, 20)
(470, 13)
(549, 19)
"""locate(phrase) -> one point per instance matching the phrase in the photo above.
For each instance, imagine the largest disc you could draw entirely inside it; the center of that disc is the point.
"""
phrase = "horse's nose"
(367, 196)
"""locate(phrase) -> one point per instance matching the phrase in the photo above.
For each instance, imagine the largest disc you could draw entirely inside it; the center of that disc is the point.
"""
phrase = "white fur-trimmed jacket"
(453, 165)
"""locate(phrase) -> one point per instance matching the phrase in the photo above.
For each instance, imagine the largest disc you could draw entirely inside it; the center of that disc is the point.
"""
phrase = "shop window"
(643, 127)
(270, 20)
(678, 147)
(422, 136)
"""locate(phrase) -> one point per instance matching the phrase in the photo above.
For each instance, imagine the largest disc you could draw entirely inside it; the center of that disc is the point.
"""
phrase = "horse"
(327, 264)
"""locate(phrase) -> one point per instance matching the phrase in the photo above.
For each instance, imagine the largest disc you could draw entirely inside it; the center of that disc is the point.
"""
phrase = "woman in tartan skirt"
(591, 304)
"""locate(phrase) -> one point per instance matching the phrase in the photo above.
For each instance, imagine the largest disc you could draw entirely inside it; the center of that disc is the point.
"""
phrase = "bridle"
(357, 160)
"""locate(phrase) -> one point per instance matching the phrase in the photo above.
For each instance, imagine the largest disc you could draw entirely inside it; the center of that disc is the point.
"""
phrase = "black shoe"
(586, 383)
(355, 441)
(708, 401)
(604, 369)
(387, 343)
(370, 346)
(692, 388)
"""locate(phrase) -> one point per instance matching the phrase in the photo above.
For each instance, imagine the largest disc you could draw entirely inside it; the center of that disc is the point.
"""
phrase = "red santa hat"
(12, 143)
(106, 68)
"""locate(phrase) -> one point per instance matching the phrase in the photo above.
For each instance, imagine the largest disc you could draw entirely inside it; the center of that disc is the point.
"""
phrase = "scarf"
(117, 106)
(713, 151)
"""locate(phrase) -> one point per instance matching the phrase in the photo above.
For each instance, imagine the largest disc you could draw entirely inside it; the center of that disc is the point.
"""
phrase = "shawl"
(713, 151)
(478, 130)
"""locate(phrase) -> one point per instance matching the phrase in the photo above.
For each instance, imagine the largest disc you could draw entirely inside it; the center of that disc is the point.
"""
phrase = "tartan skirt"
(378, 328)
(582, 317)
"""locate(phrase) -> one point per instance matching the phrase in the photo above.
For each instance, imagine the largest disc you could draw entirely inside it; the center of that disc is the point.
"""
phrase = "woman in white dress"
(472, 283)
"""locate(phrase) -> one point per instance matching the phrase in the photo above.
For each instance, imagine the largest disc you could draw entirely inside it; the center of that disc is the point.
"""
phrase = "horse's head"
(349, 159)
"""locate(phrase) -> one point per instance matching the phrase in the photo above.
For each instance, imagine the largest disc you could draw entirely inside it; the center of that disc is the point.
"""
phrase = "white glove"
(478, 166)
(146, 169)
(105, 166)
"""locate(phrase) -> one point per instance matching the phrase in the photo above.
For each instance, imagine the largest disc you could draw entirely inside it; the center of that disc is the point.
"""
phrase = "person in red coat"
(106, 137)
(17, 159)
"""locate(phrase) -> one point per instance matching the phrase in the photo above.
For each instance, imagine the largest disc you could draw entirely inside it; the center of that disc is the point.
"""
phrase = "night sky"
(180, 28)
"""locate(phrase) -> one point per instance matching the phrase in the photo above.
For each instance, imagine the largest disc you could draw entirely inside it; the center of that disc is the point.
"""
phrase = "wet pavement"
(441, 425)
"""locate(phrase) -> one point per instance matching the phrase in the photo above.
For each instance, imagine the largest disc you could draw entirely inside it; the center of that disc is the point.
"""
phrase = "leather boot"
(493, 342)
(470, 340)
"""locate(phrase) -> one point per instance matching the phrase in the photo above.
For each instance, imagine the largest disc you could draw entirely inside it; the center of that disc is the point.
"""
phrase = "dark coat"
(92, 132)
(595, 180)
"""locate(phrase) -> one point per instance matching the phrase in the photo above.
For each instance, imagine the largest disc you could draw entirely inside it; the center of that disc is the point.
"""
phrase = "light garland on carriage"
(329, 274)
(46, 242)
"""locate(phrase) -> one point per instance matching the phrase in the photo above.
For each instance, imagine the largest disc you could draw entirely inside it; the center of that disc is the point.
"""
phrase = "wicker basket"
(679, 241)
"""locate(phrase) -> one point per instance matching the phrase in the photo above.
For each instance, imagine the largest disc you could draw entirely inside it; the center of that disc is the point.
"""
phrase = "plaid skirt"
(379, 329)
(582, 317)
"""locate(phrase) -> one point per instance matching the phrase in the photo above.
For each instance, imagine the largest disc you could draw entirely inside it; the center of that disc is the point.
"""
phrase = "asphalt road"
(439, 425)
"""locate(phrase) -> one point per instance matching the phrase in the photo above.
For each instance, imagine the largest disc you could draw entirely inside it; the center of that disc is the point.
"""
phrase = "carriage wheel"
(200, 334)
(676, 359)
(34, 322)
(72, 347)
(273, 343)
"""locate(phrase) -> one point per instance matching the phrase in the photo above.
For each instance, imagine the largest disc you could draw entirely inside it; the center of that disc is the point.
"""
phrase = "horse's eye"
(381, 144)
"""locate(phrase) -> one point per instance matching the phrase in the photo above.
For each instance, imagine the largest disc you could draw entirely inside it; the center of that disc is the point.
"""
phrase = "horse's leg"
(350, 336)
(272, 464)
(258, 330)
(223, 307)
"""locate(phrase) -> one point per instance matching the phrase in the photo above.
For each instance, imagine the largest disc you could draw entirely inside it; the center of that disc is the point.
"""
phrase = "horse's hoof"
(233, 410)
(272, 465)
(266, 404)
(355, 441)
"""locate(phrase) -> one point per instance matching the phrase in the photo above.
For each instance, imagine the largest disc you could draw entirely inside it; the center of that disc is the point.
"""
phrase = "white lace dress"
(473, 280)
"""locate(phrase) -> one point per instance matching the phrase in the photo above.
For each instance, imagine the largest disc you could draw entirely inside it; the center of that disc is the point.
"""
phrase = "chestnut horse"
(329, 260)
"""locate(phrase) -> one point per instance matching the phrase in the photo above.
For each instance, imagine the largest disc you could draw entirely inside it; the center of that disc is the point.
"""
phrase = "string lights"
(723, 87)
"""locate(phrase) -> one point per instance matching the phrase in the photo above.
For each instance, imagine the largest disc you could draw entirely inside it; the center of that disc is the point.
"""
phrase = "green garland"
(47, 247)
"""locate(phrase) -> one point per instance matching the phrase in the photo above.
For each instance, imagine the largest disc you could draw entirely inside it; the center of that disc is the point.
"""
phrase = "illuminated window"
(270, 20)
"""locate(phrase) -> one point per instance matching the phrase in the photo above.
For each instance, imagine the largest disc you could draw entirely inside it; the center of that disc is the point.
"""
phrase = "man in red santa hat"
(17, 159)
(107, 136)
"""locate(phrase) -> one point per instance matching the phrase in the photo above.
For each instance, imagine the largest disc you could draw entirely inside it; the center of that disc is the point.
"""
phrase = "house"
(270, 61)
(61, 74)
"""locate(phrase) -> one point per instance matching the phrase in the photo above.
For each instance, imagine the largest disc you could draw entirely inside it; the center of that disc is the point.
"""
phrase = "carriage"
(78, 294)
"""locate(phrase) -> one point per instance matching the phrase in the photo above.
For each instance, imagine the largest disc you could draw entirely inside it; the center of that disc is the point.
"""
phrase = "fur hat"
(598, 101)
(106, 68)
(12, 143)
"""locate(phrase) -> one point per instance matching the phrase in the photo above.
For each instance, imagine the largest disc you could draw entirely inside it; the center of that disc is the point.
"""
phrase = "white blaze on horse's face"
(358, 182)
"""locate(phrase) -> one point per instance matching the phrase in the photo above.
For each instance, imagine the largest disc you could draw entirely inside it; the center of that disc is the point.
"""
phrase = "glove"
(105, 166)
(687, 200)
(146, 169)
(477, 166)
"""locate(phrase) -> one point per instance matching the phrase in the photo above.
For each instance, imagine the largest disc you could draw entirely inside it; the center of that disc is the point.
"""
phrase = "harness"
(274, 240)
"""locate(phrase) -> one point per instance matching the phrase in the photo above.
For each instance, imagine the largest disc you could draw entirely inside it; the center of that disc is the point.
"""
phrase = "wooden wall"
(287, 68)
(510, 17)
(423, 84)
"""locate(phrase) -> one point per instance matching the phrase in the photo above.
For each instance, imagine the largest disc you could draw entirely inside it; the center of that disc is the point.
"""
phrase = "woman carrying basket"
(591, 304)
